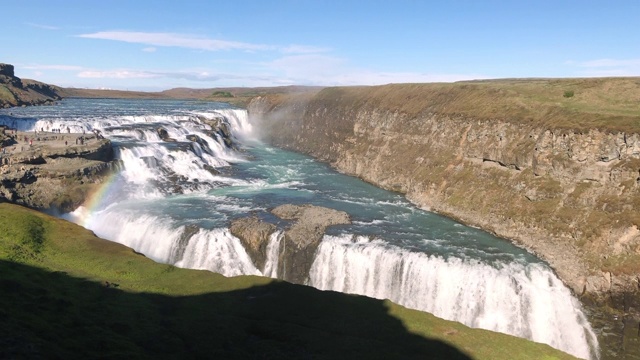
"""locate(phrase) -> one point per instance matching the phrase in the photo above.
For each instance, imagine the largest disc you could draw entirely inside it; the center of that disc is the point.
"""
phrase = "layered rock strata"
(571, 197)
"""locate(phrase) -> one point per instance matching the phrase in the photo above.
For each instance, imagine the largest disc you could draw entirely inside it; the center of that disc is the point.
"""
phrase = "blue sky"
(156, 45)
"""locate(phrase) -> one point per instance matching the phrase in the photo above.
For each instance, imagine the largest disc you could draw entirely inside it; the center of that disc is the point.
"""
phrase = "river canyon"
(188, 170)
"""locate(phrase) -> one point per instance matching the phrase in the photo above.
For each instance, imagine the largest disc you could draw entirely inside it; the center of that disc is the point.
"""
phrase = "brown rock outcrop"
(300, 239)
(254, 235)
(219, 127)
(7, 70)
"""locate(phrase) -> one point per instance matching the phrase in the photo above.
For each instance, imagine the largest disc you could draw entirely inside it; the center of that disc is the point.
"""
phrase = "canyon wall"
(568, 195)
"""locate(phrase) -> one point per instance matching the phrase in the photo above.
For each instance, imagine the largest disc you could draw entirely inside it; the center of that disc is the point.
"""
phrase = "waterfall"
(162, 240)
(174, 198)
(517, 299)
(218, 251)
(273, 255)
(238, 119)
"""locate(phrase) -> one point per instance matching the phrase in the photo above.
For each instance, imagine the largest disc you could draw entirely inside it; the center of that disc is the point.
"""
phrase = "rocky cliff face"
(7, 70)
(571, 197)
(17, 92)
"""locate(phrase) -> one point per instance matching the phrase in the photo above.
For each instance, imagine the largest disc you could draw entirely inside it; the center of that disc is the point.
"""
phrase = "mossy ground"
(68, 294)
(6, 96)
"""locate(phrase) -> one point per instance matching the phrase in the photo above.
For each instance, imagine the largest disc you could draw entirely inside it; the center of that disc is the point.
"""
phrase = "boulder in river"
(300, 239)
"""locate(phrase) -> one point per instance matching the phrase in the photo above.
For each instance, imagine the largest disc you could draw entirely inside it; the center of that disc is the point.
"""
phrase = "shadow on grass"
(53, 315)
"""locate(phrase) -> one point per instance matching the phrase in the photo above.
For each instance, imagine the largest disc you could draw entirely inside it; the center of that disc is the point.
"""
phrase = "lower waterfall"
(516, 299)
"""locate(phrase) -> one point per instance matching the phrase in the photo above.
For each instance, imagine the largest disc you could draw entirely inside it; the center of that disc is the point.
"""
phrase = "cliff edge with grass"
(553, 165)
(18, 92)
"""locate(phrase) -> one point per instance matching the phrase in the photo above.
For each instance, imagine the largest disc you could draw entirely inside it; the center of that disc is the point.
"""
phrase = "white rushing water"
(173, 200)
(273, 255)
(525, 301)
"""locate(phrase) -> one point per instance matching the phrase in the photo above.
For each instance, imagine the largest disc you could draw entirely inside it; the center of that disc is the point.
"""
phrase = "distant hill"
(239, 96)
(109, 94)
(24, 92)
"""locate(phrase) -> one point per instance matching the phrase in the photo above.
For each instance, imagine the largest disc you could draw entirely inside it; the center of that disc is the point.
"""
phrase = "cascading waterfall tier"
(181, 184)
(273, 255)
(516, 299)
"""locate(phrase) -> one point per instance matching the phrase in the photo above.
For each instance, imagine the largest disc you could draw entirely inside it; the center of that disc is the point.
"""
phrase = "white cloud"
(53, 67)
(196, 42)
(319, 70)
(199, 76)
(375, 78)
(610, 63)
(41, 26)
(174, 40)
(118, 74)
(609, 67)
(316, 69)
(308, 67)
(301, 68)
(304, 49)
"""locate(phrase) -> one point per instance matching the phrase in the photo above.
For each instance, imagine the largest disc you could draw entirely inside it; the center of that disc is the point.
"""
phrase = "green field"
(609, 104)
(65, 293)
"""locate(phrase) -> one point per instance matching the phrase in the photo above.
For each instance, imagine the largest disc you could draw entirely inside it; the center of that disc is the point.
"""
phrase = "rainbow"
(96, 199)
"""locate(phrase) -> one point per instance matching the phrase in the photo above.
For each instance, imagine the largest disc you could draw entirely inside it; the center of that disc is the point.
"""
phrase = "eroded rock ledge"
(52, 172)
(300, 238)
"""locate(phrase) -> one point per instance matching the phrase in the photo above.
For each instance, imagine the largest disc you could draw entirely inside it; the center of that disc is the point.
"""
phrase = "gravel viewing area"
(16, 145)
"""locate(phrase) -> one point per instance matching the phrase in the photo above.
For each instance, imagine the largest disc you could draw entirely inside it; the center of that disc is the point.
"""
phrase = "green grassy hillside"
(610, 104)
(64, 293)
